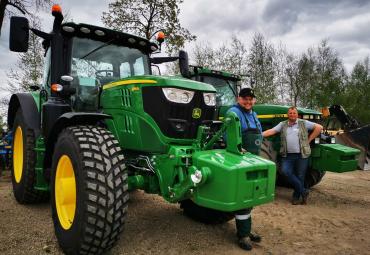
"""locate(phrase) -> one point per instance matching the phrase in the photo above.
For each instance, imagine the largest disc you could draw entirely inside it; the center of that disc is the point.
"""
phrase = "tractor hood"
(281, 109)
(163, 81)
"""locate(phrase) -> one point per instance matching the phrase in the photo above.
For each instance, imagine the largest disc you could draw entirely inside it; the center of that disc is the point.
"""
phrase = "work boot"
(305, 197)
(255, 238)
(296, 201)
(244, 243)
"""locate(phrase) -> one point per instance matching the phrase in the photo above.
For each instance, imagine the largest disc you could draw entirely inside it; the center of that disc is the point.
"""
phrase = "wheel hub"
(18, 154)
(65, 192)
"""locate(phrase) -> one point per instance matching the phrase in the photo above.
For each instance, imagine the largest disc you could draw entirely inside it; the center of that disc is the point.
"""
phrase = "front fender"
(66, 120)
(28, 105)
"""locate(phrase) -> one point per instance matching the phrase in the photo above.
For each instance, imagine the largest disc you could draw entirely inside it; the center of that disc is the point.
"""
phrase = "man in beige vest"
(295, 150)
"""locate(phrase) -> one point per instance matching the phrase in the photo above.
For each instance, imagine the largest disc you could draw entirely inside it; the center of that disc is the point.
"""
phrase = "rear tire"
(24, 162)
(89, 218)
(313, 177)
(203, 214)
(268, 152)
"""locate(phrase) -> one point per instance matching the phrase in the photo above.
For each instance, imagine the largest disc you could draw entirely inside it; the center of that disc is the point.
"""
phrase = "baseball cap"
(245, 92)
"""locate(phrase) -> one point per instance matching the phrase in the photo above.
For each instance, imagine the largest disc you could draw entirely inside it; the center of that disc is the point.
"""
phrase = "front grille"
(175, 120)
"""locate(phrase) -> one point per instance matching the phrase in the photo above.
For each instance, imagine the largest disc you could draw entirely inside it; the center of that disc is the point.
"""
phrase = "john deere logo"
(196, 113)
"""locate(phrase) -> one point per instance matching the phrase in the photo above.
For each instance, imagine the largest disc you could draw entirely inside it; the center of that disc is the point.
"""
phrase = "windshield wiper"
(98, 48)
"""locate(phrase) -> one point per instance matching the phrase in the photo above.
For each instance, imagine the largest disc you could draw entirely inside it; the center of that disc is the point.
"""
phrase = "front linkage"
(221, 179)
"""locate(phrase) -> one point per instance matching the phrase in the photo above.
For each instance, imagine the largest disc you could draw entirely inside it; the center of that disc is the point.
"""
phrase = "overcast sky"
(298, 24)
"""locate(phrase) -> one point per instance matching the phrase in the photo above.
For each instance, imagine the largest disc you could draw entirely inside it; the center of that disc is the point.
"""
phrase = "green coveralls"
(251, 142)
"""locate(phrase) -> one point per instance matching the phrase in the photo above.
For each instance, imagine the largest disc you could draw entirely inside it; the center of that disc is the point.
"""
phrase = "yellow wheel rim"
(65, 192)
(18, 154)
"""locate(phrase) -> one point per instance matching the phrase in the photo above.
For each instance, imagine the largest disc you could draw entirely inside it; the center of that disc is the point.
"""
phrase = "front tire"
(88, 190)
(24, 162)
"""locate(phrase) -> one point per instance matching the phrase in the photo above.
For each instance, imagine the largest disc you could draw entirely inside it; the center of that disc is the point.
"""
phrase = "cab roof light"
(99, 33)
(68, 29)
(160, 37)
(56, 9)
(85, 30)
(131, 40)
(153, 47)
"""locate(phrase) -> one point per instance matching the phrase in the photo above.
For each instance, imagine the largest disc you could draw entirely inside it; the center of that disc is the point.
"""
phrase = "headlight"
(317, 140)
(209, 99)
(332, 140)
(178, 95)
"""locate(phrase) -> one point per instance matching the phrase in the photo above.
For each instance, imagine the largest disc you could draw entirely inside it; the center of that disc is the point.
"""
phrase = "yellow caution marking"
(128, 82)
(270, 116)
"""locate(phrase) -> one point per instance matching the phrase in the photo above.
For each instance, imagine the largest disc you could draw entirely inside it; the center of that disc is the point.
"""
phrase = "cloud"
(298, 24)
(216, 21)
(7, 58)
(281, 16)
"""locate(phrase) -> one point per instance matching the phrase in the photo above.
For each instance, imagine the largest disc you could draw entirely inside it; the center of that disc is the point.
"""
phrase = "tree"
(292, 73)
(316, 77)
(12, 7)
(204, 55)
(357, 92)
(230, 56)
(306, 79)
(28, 69)
(261, 67)
(281, 77)
(330, 76)
(146, 17)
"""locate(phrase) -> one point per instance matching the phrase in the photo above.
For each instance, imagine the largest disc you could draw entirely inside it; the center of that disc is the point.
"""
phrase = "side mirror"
(184, 64)
(19, 32)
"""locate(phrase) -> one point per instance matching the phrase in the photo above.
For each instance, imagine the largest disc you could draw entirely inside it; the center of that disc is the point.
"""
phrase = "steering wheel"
(99, 73)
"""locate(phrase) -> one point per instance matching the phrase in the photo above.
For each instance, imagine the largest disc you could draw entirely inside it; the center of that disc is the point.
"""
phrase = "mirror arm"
(161, 60)
(41, 34)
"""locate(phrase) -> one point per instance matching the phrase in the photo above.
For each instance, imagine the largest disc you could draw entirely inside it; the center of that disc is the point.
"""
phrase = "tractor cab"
(101, 56)
(226, 85)
(81, 58)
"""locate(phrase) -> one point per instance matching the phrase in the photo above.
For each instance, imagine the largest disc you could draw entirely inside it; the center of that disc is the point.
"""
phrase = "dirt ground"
(336, 221)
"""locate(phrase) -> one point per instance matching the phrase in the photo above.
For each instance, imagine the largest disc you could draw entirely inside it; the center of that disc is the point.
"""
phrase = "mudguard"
(66, 120)
(31, 115)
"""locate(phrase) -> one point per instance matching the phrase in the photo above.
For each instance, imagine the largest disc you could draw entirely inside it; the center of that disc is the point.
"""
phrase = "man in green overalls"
(251, 139)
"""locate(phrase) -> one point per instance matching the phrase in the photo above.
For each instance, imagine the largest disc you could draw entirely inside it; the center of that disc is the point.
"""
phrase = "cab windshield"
(95, 62)
(225, 95)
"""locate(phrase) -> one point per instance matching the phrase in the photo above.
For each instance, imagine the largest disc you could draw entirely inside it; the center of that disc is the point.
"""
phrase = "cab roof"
(108, 36)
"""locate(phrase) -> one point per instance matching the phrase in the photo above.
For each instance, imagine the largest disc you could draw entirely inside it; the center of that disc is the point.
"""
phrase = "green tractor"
(101, 125)
(326, 154)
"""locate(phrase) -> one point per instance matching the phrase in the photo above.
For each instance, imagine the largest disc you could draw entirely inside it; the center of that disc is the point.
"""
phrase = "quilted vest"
(302, 136)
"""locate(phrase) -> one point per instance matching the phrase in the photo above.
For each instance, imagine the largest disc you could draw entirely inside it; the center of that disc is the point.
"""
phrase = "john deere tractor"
(101, 124)
(326, 154)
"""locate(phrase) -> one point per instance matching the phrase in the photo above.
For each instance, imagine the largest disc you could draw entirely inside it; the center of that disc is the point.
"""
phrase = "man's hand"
(317, 128)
